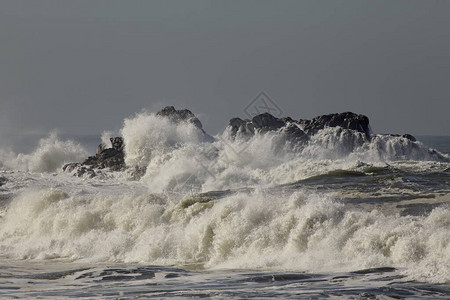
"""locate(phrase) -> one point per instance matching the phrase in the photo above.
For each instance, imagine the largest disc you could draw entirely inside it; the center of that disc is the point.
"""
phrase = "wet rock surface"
(346, 120)
(301, 129)
(296, 132)
(177, 116)
(112, 158)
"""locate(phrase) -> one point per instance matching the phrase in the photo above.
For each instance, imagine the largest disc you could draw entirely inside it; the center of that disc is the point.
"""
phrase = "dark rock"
(182, 115)
(112, 158)
(70, 167)
(117, 143)
(288, 120)
(138, 172)
(266, 122)
(82, 171)
(409, 137)
(91, 160)
(303, 123)
(346, 120)
(406, 136)
(3, 180)
(107, 153)
(100, 148)
(295, 134)
(244, 127)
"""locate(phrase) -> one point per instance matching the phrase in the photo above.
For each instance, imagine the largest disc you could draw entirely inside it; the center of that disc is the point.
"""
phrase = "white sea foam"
(179, 156)
(94, 220)
(149, 137)
(299, 232)
(49, 156)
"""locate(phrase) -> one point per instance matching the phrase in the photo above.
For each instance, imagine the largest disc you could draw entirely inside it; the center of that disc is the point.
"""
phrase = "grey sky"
(84, 66)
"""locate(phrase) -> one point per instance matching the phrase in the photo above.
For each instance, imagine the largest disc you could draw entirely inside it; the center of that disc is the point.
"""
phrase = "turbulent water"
(228, 217)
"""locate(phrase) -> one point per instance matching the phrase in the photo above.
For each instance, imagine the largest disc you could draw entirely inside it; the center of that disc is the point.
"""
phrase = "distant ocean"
(338, 217)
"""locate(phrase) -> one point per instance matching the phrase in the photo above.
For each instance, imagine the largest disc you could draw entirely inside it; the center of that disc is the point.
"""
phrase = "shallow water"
(58, 279)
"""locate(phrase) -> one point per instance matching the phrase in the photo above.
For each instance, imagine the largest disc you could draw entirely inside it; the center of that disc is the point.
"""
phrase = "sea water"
(228, 218)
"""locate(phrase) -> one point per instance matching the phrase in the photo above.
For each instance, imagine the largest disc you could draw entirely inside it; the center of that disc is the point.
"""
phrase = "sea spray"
(177, 156)
(332, 204)
(303, 231)
(49, 156)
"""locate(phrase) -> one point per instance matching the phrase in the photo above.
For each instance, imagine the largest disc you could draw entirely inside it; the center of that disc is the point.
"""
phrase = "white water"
(298, 232)
(156, 220)
(180, 157)
(49, 156)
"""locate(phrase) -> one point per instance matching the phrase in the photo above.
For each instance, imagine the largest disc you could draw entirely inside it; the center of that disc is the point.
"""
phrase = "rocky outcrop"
(182, 115)
(298, 131)
(112, 158)
(262, 123)
(266, 122)
(406, 136)
(346, 120)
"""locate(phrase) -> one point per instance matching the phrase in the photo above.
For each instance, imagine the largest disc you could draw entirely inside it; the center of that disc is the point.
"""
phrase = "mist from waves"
(50, 155)
(301, 231)
(167, 223)
(181, 157)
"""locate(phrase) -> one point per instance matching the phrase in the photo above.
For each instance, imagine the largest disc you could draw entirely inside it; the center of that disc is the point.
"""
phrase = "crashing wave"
(170, 149)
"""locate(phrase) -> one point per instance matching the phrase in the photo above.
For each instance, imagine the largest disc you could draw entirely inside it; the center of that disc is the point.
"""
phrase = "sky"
(81, 67)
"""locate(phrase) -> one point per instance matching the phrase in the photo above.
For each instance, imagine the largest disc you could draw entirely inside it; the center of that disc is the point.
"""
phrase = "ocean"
(229, 216)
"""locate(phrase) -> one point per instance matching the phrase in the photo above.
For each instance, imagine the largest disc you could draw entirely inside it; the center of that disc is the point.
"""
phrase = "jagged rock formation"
(295, 132)
(300, 130)
(112, 158)
(406, 136)
(262, 123)
(182, 115)
(346, 120)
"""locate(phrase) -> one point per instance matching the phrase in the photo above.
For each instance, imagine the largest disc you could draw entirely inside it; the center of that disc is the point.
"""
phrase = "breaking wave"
(302, 232)
(259, 216)
(180, 156)
(49, 156)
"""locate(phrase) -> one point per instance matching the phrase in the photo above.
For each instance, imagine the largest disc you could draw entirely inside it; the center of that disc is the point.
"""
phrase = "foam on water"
(161, 220)
(297, 232)
(181, 157)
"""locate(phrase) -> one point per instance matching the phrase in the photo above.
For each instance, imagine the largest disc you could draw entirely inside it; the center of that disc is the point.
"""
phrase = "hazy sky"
(84, 66)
